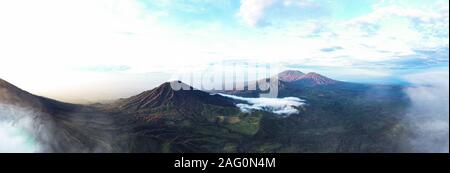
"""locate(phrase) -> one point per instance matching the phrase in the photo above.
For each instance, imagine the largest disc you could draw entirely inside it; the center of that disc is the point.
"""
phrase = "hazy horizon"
(374, 77)
(87, 51)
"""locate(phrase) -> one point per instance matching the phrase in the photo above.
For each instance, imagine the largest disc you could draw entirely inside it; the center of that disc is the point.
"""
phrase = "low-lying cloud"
(18, 130)
(429, 111)
(280, 106)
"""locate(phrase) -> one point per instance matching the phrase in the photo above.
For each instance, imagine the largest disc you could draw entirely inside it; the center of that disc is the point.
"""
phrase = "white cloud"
(280, 106)
(429, 111)
(252, 11)
(422, 28)
(45, 44)
(13, 139)
(50, 40)
(18, 132)
(300, 3)
(395, 11)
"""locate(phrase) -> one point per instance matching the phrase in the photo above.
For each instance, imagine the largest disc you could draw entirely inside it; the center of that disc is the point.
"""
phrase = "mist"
(428, 114)
(280, 106)
(20, 131)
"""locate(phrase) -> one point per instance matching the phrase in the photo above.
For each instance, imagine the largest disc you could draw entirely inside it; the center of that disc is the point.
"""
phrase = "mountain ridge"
(290, 75)
(337, 118)
(311, 78)
(166, 95)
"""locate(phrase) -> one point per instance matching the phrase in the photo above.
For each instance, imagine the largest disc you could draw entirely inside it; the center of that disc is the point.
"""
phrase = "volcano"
(314, 79)
(290, 75)
(310, 79)
(175, 117)
(165, 95)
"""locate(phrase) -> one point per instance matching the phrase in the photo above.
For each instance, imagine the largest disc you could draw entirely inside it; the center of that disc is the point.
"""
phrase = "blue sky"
(89, 45)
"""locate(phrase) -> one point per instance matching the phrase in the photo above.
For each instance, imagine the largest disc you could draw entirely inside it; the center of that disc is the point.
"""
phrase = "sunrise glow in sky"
(114, 48)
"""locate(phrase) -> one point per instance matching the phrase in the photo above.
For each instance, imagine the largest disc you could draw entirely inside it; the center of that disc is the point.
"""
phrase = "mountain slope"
(167, 120)
(165, 95)
(337, 117)
(313, 79)
(291, 80)
(10, 94)
(58, 126)
(290, 75)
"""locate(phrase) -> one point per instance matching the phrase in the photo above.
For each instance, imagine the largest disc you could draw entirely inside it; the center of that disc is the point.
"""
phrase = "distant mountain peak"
(317, 79)
(176, 85)
(311, 78)
(290, 75)
(312, 75)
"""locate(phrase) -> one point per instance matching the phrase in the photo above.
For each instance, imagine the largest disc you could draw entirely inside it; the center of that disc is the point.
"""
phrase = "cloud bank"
(18, 130)
(280, 106)
(429, 111)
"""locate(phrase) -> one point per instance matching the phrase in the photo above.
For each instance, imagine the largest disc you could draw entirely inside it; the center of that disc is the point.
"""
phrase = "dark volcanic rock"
(165, 95)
